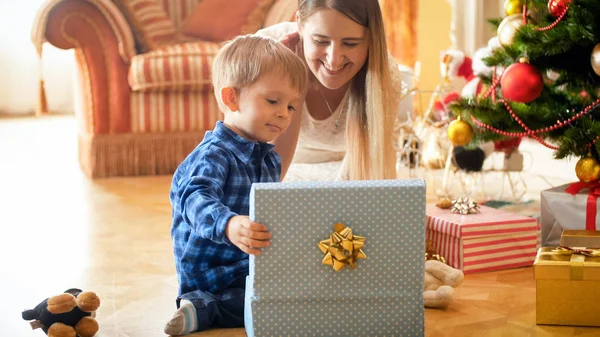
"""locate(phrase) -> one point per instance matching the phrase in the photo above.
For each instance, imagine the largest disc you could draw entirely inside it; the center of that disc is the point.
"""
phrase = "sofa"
(144, 97)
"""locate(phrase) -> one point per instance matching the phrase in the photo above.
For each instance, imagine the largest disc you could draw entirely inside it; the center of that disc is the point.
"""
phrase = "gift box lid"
(388, 214)
(580, 238)
(579, 189)
(581, 233)
(550, 264)
(488, 222)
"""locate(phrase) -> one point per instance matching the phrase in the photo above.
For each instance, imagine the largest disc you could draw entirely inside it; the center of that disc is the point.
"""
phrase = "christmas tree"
(547, 83)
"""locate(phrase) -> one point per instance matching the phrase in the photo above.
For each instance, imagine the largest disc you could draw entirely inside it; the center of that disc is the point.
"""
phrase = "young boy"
(259, 84)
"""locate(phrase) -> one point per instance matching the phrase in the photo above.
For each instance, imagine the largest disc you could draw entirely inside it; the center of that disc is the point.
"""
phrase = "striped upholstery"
(171, 85)
(150, 24)
(173, 111)
(178, 10)
(177, 67)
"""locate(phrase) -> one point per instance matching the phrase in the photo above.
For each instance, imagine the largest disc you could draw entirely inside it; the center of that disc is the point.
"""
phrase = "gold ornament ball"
(513, 7)
(508, 28)
(460, 132)
(587, 169)
(595, 59)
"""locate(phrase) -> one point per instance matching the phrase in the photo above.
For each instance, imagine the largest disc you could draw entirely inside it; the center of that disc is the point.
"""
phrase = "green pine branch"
(566, 50)
(577, 136)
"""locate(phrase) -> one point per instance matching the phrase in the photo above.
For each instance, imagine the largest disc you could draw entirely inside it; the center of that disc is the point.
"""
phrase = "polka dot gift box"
(346, 259)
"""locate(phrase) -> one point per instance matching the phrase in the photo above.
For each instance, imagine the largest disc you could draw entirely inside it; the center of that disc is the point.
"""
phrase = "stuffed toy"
(440, 281)
(70, 314)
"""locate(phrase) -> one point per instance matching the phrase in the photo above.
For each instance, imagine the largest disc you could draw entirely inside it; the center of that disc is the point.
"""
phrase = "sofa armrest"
(104, 45)
(109, 11)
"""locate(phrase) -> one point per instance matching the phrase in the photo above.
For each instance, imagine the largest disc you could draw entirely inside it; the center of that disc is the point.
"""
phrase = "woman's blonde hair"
(244, 59)
(371, 115)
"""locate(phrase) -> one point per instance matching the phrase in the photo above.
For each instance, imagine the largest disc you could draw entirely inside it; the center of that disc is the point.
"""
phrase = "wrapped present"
(570, 206)
(346, 259)
(567, 286)
(489, 240)
(583, 238)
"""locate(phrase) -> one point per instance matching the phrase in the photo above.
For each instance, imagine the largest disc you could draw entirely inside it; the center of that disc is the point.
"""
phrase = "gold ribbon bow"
(577, 259)
(431, 254)
(342, 248)
(565, 264)
(444, 203)
(564, 250)
(464, 206)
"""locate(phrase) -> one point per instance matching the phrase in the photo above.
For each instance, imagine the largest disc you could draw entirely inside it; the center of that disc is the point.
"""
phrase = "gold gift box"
(567, 288)
(580, 238)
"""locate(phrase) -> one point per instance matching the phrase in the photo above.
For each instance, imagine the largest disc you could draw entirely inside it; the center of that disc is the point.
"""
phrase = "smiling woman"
(335, 47)
(351, 106)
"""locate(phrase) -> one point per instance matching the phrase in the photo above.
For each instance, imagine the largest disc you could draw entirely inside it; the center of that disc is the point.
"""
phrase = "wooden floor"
(62, 230)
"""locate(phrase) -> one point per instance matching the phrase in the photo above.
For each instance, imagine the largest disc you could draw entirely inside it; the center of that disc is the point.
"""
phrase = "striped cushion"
(179, 10)
(173, 111)
(177, 67)
(210, 22)
(149, 21)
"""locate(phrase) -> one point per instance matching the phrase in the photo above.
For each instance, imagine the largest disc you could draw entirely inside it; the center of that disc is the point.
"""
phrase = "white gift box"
(562, 210)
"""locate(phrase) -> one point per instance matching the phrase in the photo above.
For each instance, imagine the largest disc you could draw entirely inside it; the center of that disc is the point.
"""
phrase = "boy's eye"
(271, 101)
(291, 108)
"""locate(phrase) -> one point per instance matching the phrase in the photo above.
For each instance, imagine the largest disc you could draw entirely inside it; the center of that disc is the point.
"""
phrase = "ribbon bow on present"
(591, 206)
(577, 260)
(570, 262)
(342, 248)
(431, 253)
(564, 250)
(464, 206)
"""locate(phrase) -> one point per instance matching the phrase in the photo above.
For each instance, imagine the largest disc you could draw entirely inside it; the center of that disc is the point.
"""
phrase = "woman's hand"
(247, 235)
(291, 40)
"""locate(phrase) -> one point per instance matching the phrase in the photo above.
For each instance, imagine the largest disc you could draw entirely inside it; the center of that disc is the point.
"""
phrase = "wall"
(433, 30)
(444, 24)
(20, 65)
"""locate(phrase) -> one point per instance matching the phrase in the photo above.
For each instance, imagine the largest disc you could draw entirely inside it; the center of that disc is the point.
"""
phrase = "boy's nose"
(283, 113)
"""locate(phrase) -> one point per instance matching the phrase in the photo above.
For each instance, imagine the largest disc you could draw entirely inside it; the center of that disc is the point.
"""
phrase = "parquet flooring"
(111, 236)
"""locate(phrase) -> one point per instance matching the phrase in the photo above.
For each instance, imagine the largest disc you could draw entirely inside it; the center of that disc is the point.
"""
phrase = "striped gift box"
(491, 240)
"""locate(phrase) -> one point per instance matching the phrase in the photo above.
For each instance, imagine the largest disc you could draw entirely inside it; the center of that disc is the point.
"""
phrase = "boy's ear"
(229, 96)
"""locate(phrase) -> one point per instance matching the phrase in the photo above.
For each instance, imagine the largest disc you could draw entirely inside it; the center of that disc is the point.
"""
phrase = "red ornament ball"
(557, 7)
(521, 82)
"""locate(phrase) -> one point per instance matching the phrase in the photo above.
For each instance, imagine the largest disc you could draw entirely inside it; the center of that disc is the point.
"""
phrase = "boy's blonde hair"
(244, 59)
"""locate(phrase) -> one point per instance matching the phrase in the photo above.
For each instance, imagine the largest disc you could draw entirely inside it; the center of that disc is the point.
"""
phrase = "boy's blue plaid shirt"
(209, 187)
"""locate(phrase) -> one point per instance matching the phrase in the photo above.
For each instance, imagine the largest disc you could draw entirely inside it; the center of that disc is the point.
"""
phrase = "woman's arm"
(285, 144)
(400, 97)
(344, 172)
(279, 31)
(402, 83)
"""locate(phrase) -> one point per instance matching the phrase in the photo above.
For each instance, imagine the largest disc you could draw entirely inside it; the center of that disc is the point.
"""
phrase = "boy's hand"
(247, 235)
